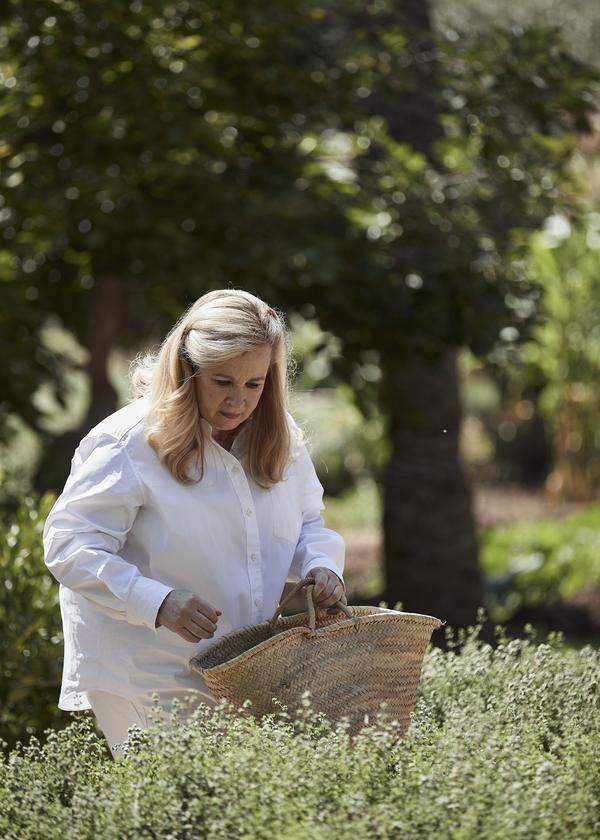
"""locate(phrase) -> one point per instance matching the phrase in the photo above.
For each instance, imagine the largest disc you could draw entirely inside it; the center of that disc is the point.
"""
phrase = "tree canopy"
(185, 146)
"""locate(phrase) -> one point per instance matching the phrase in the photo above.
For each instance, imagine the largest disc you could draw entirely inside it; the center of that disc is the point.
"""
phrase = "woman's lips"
(230, 416)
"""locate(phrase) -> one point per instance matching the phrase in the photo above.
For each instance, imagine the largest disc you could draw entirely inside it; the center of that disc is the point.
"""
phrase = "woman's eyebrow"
(225, 376)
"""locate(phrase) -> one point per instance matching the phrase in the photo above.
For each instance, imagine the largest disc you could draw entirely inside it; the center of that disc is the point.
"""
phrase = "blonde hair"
(218, 326)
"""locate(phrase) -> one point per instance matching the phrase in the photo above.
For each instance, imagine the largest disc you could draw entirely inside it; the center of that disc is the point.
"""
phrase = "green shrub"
(359, 507)
(31, 639)
(564, 352)
(346, 448)
(537, 562)
(504, 742)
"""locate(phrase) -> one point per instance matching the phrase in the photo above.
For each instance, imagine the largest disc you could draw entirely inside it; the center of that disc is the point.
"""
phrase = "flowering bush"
(504, 742)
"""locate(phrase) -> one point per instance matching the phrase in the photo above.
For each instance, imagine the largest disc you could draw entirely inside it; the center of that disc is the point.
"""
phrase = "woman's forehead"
(257, 360)
(252, 365)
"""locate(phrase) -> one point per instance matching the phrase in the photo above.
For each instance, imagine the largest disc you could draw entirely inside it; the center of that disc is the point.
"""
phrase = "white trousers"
(115, 714)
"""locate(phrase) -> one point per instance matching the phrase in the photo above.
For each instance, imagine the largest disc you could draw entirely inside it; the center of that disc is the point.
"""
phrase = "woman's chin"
(229, 421)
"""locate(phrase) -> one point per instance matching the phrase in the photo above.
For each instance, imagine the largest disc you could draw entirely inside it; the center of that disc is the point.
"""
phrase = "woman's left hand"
(328, 589)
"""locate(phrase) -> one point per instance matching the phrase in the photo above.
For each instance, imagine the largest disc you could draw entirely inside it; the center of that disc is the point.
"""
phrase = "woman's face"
(232, 388)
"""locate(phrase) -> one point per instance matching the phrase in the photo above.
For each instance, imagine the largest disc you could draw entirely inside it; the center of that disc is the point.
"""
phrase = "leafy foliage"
(182, 148)
(503, 742)
(564, 353)
(538, 562)
(157, 145)
(31, 641)
(579, 20)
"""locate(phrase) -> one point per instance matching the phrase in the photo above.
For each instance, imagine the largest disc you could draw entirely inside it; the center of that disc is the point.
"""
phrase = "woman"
(184, 514)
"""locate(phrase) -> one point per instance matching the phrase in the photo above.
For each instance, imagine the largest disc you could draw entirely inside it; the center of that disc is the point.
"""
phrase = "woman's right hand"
(188, 615)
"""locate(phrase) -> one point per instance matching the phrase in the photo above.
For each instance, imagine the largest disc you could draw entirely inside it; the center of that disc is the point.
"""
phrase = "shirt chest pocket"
(286, 511)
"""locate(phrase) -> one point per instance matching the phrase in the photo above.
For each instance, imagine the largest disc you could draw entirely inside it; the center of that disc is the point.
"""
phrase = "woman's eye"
(252, 385)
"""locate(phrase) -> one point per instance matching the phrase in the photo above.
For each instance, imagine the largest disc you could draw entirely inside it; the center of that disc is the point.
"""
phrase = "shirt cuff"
(145, 599)
(323, 562)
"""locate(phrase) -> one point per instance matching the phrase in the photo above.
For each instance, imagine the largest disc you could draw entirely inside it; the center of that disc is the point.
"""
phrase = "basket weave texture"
(350, 665)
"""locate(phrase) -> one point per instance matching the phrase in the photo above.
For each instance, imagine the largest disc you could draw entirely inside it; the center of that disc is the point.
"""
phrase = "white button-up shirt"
(124, 533)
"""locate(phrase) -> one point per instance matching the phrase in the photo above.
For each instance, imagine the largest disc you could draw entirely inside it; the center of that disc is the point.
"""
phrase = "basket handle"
(310, 585)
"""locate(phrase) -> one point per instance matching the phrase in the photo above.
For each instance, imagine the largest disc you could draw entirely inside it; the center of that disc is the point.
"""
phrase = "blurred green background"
(417, 187)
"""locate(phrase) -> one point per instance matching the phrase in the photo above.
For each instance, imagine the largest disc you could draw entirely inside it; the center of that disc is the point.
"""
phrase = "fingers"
(188, 636)
(193, 631)
(200, 624)
(328, 589)
(188, 615)
(200, 608)
(200, 629)
(203, 621)
(201, 613)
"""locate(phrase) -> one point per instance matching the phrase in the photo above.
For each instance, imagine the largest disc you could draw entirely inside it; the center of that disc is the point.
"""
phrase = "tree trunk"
(430, 547)
(106, 306)
(105, 317)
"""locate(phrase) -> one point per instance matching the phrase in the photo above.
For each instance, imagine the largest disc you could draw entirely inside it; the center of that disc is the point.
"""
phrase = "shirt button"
(253, 556)
(249, 511)
(257, 602)
(235, 469)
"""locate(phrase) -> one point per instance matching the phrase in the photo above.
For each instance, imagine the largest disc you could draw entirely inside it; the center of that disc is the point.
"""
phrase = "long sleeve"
(87, 528)
(317, 545)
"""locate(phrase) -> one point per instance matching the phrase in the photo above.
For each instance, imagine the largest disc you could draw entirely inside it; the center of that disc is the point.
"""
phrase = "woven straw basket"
(349, 665)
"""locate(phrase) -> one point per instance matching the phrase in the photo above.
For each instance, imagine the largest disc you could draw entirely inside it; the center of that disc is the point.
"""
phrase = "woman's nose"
(234, 400)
